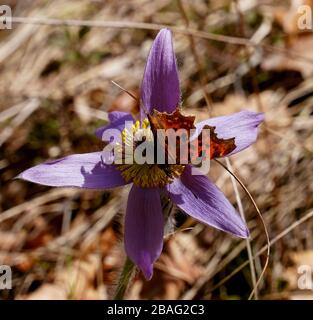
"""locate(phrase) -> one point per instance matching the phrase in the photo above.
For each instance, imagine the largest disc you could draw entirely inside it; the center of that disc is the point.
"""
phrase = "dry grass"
(55, 89)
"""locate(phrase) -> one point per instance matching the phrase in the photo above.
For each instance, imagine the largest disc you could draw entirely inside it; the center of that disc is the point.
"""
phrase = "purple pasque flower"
(196, 195)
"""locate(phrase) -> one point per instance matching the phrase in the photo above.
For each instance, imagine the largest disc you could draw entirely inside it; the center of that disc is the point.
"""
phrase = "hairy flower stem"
(124, 280)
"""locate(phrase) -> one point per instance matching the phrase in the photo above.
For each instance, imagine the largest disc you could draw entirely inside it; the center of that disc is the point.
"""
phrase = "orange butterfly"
(208, 148)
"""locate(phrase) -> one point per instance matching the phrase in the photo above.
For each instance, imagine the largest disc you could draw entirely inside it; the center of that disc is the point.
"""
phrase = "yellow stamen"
(146, 175)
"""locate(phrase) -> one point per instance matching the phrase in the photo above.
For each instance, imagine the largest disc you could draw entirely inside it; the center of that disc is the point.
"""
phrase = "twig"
(155, 26)
(130, 25)
(33, 203)
(194, 51)
(263, 222)
(66, 223)
(29, 107)
(242, 214)
(272, 242)
(11, 112)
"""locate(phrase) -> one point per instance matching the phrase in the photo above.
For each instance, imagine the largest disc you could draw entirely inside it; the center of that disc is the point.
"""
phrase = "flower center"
(144, 175)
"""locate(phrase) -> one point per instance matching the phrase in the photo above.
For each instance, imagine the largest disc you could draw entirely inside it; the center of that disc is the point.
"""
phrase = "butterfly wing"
(175, 121)
(205, 146)
(208, 146)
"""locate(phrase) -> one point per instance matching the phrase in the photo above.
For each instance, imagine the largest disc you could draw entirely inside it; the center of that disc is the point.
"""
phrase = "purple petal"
(241, 125)
(200, 198)
(160, 84)
(115, 116)
(144, 228)
(117, 121)
(78, 170)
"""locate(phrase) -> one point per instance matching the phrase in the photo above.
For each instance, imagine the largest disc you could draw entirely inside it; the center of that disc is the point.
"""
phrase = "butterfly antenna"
(131, 95)
(123, 89)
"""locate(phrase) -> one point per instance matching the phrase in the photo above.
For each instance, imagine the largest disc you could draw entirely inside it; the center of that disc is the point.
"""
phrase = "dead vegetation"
(55, 90)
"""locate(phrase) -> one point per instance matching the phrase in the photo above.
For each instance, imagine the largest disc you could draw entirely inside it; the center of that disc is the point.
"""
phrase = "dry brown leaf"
(288, 17)
(299, 258)
(181, 260)
(48, 292)
(302, 257)
(302, 45)
(275, 112)
(75, 281)
(11, 241)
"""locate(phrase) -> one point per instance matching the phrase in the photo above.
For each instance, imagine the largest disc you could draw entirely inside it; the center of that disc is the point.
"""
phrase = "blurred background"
(55, 90)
